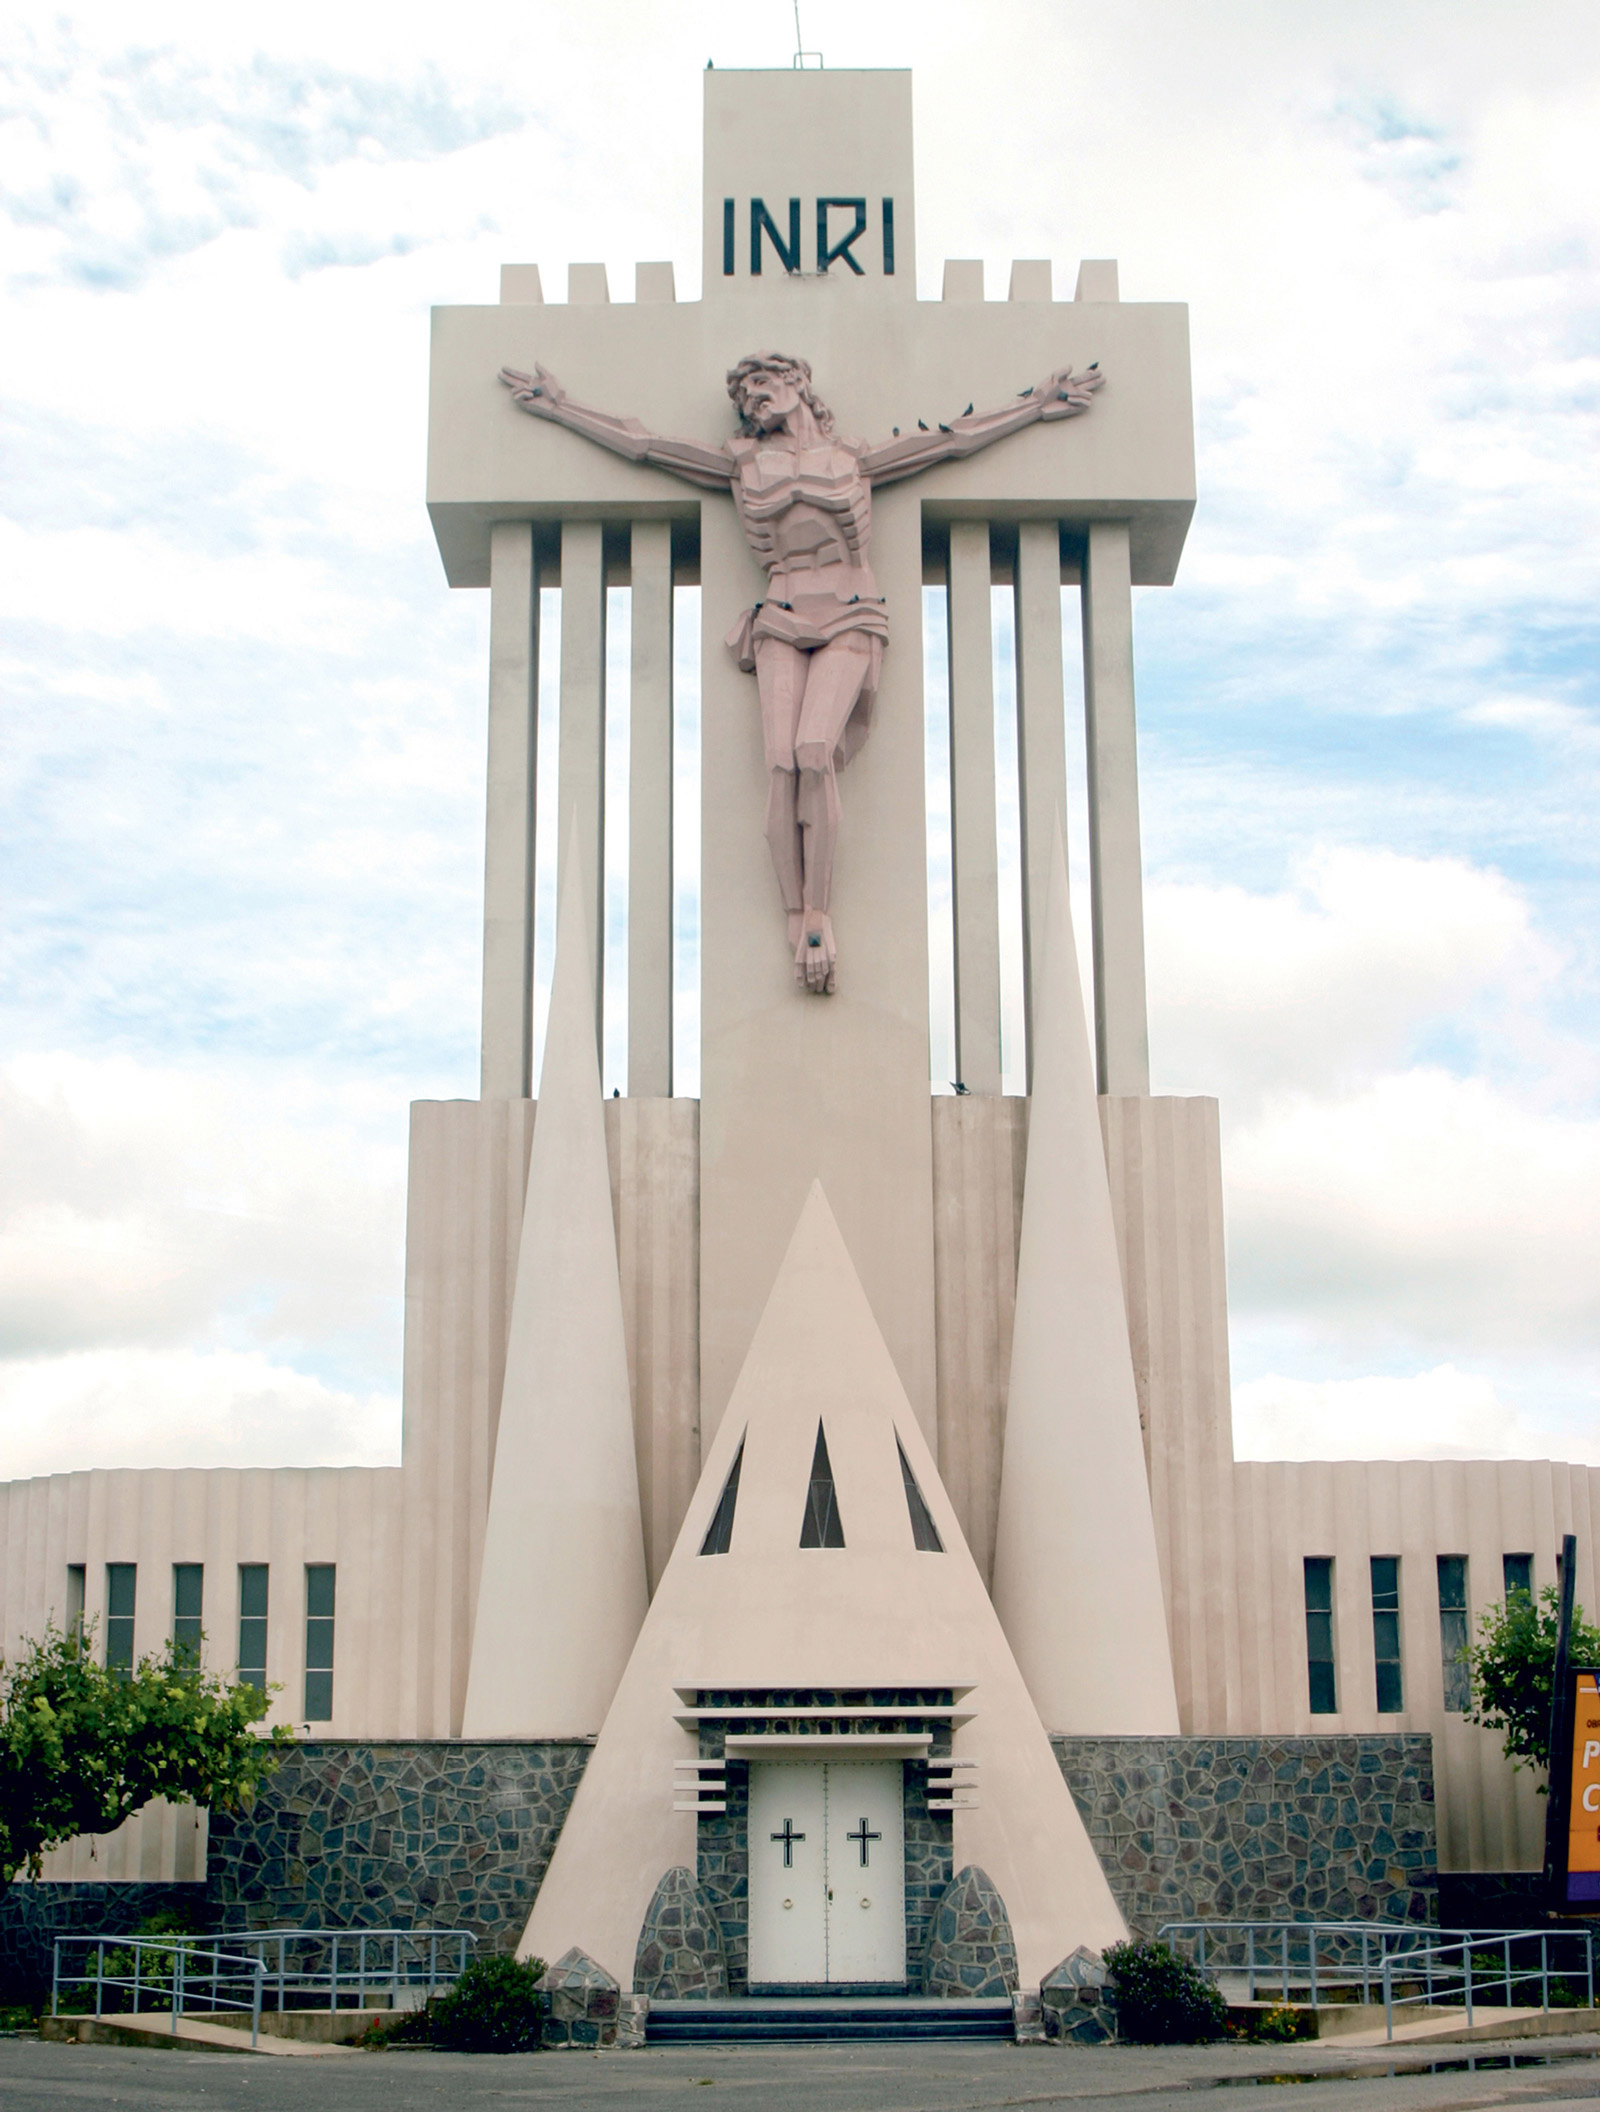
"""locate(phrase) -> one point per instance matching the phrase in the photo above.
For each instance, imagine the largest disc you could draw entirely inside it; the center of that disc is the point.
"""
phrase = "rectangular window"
(1319, 1635)
(1386, 1633)
(319, 1641)
(77, 1578)
(1518, 1573)
(188, 1585)
(253, 1625)
(1453, 1631)
(121, 1584)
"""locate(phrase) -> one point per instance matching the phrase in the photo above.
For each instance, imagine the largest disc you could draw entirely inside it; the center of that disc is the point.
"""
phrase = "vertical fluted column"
(650, 816)
(583, 726)
(1041, 729)
(1122, 1042)
(974, 855)
(508, 833)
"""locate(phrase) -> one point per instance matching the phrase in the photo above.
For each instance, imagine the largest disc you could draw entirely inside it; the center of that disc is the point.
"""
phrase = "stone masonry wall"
(456, 1835)
(415, 1834)
(1260, 1829)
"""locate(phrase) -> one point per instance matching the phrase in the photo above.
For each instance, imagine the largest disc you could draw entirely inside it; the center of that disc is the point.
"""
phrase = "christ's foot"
(815, 956)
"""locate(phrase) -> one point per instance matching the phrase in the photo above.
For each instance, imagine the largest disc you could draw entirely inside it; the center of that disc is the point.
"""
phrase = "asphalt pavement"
(837, 2078)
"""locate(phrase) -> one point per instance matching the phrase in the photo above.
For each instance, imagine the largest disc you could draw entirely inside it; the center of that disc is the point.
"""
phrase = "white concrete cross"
(803, 168)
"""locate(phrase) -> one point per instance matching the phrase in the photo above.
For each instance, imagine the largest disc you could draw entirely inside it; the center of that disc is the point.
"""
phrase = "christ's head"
(768, 387)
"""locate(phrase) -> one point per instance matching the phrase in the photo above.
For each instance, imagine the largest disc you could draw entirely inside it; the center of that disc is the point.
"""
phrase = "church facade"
(819, 1446)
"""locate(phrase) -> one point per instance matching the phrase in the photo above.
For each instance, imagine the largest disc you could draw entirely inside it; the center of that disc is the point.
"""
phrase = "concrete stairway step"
(754, 2018)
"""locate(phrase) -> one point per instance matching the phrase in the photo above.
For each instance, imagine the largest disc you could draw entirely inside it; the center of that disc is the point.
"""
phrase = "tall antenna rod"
(803, 59)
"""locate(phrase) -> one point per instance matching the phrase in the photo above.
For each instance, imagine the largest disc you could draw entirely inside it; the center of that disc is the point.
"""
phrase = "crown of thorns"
(784, 367)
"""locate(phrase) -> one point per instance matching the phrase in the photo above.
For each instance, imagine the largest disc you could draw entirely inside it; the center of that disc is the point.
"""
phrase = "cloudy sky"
(244, 719)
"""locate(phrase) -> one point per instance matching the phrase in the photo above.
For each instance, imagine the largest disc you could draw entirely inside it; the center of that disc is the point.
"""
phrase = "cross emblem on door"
(788, 1837)
(861, 1837)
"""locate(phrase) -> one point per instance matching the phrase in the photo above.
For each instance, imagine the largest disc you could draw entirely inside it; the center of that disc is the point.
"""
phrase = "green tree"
(1512, 1666)
(82, 1746)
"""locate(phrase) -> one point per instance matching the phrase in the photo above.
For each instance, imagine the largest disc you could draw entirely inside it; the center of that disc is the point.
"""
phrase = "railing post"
(177, 1986)
(1202, 1947)
(1286, 1961)
(1508, 1972)
(1588, 1954)
(433, 1961)
(1313, 1963)
(138, 1961)
(1467, 1950)
(100, 1977)
(1388, 1998)
(281, 1942)
(1250, 1960)
(1544, 1974)
(333, 1977)
(55, 1979)
(255, 2014)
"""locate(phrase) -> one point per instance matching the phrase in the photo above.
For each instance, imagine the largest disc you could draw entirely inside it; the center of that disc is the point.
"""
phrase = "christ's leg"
(833, 683)
(781, 685)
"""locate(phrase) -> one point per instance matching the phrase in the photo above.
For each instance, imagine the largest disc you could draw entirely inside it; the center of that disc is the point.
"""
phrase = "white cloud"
(1339, 974)
(1423, 1207)
(162, 1207)
(184, 1408)
(1440, 1414)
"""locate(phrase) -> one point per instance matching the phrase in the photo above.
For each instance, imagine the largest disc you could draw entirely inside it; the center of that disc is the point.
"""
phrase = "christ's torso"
(807, 514)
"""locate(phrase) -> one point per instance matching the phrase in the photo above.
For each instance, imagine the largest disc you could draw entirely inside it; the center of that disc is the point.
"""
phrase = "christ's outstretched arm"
(543, 396)
(1060, 395)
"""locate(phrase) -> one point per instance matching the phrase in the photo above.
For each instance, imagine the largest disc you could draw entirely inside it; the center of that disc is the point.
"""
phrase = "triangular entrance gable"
(877, 1612)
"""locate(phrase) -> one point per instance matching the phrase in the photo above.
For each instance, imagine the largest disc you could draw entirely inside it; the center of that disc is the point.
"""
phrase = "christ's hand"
(538, 392)
(1067, 395)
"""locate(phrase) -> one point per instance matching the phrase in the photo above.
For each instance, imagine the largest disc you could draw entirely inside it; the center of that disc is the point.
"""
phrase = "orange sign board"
(1583, 1806)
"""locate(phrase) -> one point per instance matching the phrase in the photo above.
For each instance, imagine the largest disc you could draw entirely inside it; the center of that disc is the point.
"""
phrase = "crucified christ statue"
(815, 643)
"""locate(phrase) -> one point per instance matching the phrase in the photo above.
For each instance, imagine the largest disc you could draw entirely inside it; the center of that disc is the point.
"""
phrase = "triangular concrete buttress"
(770, 1614)
(1077, 1580)
(562, 1590)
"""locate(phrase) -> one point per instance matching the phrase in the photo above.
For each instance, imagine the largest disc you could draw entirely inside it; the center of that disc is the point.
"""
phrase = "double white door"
(827, 1872)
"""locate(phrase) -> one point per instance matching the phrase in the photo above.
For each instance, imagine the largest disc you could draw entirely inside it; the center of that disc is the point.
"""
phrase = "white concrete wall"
(1489, 1818)
(285, 1517)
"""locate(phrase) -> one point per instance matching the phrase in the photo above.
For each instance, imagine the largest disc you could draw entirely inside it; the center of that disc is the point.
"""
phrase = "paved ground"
(869, 2078)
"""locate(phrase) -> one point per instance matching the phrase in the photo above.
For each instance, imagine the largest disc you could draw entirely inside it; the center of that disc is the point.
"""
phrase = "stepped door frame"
(827, 1874)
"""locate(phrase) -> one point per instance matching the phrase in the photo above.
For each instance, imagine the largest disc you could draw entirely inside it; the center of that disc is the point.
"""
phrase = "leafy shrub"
(493, 2008)
(1513, 1668)
(1162, 2000)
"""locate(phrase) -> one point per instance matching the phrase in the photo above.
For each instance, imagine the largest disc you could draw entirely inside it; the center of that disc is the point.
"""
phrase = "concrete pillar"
(1077, 1578)
(508, 835)
(583, 725)
(1041, 727)
(797, 1088)
(650, 816)
(1121, 1035)
(562, 1589)
(974, 854)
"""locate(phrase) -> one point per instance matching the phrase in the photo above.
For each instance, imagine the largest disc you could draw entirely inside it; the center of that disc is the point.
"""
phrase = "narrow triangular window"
(719, 1533)
(923, 1530)
(821, 1527)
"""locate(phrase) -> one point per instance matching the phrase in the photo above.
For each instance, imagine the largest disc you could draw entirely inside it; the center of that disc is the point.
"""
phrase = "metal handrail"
(289, 1968)
(175, 1977)
(1321, 1957)
(1499, 1972)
